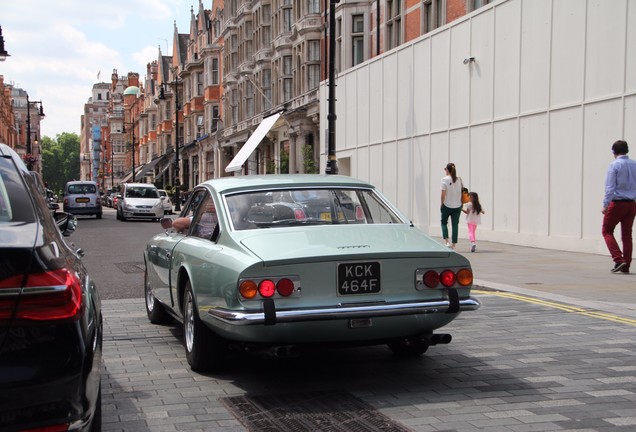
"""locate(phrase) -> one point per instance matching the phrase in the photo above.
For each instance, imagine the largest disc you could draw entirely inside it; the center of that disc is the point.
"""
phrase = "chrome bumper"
(270, 316)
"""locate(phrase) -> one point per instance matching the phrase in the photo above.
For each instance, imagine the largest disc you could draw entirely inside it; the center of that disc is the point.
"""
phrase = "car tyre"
(98, 215)
(156, 312)
(205, 350)
(408, 347)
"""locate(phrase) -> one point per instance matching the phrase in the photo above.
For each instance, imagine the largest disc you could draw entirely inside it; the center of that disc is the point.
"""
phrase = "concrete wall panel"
(422, 188)
(376, 100)
(460, 75)
(507, 44)
(568, 52)
(481, 70)
(422, 87)
(506, 176)
(566, 156)
(404, 114)
(536, 23)
(605, 56)
(440, 73)
(534, 175)
(364, 108)
(389, 85)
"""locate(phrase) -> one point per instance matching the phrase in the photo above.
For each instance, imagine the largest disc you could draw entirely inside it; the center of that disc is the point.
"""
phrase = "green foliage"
(311, 167)
(60, 159)
(284, 162)
(270, 167)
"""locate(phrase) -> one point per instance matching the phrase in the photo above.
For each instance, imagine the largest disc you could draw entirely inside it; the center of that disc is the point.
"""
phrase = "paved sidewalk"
(578, 279)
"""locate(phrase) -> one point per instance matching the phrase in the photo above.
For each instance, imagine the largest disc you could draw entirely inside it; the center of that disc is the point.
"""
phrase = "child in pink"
(473, 212)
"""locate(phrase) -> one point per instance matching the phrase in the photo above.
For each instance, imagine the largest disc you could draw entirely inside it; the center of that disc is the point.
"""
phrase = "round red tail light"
(266, 288)
(285, 287)
(448, 278)
(299, 214)
(465, 277)
(248, 289)
(431, 279)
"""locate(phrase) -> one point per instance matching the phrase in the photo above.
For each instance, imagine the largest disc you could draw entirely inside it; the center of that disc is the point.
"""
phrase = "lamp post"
(132, 133)
(332, 162)
(177, 108)
(29, 156)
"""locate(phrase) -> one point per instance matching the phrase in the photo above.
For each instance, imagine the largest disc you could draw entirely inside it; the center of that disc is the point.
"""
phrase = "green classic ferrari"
(287, 263)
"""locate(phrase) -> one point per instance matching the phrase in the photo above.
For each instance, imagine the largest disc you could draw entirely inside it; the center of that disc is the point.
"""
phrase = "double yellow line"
(560, 306)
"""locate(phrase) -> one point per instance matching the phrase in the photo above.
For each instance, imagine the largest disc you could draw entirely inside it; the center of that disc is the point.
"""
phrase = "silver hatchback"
(82, 198)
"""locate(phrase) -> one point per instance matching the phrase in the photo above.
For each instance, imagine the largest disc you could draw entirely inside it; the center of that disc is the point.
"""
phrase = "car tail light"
(266, 288)
(66, 201)
(465, 277)
(248, 289)
(285, 287)
(299, 214)
(359, 213)
(447, 278)
(51, 295)
(431, 279)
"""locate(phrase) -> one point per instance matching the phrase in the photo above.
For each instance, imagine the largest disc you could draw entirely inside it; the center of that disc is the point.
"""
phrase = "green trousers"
(454, 214)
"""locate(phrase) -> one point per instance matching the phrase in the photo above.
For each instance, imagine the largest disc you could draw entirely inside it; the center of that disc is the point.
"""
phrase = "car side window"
(205, 221)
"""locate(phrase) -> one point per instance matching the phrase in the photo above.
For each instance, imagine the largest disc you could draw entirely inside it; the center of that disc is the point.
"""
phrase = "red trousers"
(622, 212)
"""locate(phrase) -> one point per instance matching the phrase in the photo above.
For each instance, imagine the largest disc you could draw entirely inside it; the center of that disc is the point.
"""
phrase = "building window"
(434, 14)
(199, 83)
(314, 50)
(215, 118)
(287, 19)
(357, 39)
(267, 89)
(476, 4)
(313, 6)
(313, 71)
(214, 71)
(249, 99)
(393, 23)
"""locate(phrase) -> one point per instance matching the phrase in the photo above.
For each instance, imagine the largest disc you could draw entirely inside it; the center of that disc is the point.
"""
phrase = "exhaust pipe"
(440, 339)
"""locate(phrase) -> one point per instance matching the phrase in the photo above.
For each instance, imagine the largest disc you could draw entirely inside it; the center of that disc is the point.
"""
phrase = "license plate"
(359, 278)
(325, 217)
(82, 200)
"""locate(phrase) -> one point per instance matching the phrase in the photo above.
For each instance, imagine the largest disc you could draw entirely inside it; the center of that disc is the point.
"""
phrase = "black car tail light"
(431, 279)
(50, 295)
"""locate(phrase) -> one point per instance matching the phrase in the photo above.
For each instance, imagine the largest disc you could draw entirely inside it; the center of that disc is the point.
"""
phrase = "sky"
(58, 48)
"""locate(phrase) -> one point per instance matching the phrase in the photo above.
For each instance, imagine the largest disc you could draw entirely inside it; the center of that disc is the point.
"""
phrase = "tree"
(60, 160)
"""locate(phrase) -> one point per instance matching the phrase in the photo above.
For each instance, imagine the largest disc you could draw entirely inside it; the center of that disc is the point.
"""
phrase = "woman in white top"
(451, 203)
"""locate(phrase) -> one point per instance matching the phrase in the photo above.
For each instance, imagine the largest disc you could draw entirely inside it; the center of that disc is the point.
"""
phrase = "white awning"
(251, 144)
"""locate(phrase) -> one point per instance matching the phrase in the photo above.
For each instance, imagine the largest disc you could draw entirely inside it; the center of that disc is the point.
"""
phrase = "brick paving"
(513, 366)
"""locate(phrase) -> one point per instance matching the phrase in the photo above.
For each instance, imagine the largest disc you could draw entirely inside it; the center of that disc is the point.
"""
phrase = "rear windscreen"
(15, 202)
(82, 189)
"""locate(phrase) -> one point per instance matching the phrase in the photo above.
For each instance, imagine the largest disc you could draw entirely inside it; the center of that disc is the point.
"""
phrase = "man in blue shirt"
(619, 206)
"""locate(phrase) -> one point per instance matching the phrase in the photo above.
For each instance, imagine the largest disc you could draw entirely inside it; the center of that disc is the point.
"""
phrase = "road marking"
(572, 309)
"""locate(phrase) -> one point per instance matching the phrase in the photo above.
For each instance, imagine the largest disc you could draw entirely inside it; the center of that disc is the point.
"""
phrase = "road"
(517, 364)
(114, 252)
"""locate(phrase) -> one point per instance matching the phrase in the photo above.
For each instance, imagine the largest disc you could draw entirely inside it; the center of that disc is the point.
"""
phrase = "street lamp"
(332, 162)
(3, 52)
(177, 108)
(132, 132)
(29, 156)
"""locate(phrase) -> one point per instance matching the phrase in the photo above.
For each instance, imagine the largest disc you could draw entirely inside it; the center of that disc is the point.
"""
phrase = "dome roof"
(132, 90)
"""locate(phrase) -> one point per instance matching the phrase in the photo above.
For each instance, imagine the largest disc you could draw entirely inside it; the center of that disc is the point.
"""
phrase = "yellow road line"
(560, 306)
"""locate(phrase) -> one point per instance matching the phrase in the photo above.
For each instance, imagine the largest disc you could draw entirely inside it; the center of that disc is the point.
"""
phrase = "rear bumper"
(83, 210)
(269, 315)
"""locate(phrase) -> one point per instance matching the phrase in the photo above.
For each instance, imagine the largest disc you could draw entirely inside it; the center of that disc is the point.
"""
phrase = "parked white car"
(165, 199)
(140, 201)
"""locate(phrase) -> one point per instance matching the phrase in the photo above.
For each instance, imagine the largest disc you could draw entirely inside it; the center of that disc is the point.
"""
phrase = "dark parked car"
(50, 313)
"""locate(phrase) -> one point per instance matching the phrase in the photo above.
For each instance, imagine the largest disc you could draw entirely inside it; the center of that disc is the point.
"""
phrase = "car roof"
(140, 185)
(249, 182)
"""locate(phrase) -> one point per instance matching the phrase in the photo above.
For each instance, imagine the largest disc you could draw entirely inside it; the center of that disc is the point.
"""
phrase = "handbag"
(465, 195)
